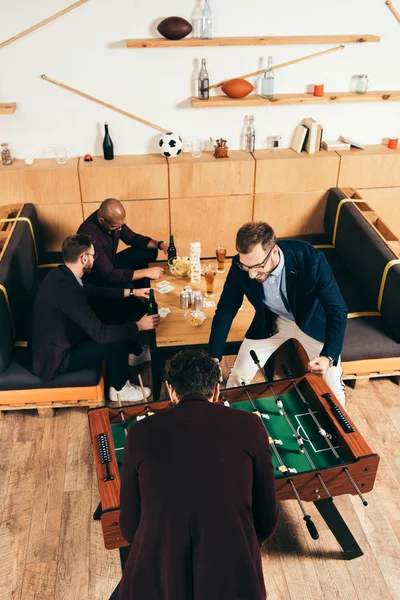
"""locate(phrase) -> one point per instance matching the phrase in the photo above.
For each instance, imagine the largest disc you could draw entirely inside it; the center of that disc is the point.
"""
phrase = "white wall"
(85, 49)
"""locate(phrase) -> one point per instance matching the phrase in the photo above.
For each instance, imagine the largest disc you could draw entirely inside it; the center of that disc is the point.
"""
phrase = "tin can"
(198, 301)
(188, 289)
(184, 300)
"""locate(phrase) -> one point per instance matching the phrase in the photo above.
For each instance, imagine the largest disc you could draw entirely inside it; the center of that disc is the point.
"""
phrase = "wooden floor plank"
(274, 573)
(46, 515)
(73, 557)
(17, 516)
(39, 581)
(78, 474)
(8, 436)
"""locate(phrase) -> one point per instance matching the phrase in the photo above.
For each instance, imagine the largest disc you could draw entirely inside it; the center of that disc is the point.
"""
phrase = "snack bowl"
(179, 267)
(195, 318)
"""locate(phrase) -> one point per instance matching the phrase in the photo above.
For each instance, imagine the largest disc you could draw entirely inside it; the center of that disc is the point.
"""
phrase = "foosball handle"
(287, 371)
(311, 527)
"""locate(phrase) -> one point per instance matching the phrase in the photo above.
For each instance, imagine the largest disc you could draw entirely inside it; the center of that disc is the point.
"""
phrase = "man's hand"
(154, 272)
(319, 366)
(164, 248)
(148, 322)
(142, 293)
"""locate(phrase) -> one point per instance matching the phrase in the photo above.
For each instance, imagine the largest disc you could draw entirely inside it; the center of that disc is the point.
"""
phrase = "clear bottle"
(204, 81)
(207, 21)
(250, 136)
(268, 81)
(108, 146)
(198, 20)
(6, 157)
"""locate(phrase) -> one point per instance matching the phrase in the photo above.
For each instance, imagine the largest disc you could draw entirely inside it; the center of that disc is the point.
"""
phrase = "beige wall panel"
(208, 176)
(58, 222)
(386, 202)
(44, 182)
(292, 214)
(148, 217)
(287, 171)
(376, 166)
(125, 178)
(210, 221)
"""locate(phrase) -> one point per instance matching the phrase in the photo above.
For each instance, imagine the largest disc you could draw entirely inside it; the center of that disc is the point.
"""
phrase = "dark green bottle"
(108, 146)
(171, 248)
(152, 308)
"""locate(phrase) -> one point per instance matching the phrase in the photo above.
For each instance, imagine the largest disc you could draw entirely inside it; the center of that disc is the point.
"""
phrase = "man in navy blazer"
(294, 294)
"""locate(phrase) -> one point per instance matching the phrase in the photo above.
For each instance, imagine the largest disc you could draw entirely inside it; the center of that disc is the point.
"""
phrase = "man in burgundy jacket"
(197, 495)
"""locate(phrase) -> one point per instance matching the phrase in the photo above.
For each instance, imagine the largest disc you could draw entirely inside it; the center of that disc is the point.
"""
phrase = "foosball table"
(317, 451)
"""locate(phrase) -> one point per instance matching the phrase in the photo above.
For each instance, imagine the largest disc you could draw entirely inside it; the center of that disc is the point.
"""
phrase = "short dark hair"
(76, 245)
(251, 234)
(193, 371)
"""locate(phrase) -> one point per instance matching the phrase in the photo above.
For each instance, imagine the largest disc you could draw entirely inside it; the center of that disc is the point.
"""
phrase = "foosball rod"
(124, 423)
(322, 432)
(307, 518)
(298, 437)
(142, 387)
(165, 380)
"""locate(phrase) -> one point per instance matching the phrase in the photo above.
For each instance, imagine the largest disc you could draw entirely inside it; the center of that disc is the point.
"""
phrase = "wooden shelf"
(270, 40)
(7, 108)
(279, 99)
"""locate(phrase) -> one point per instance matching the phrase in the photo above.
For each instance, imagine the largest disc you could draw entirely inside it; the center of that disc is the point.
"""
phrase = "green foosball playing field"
(278, 429)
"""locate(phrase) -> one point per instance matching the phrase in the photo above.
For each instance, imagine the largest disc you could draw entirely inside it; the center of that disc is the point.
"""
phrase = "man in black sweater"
(67, 335)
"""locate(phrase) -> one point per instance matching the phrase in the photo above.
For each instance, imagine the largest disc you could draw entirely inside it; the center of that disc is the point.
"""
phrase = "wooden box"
(287, 171)
(376, 166)
(140, 176)
(44, 182)
(207, 176)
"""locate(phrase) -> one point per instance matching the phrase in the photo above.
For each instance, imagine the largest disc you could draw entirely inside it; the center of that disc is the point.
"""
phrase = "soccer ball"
(170, 145)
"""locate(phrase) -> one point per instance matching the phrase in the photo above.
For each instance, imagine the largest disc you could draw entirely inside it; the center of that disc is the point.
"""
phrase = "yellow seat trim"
(26, 220)
(384, 277)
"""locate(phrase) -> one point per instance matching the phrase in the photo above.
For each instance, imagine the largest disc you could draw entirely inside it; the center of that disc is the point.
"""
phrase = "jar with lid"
(6, 157)
(362, 83)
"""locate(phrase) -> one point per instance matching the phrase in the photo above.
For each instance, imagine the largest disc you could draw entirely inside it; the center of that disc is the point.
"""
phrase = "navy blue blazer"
(313, 294)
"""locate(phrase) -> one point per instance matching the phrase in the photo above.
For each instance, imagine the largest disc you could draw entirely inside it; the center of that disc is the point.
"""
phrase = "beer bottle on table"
(171, 248)
(152, 308)
(108, 146)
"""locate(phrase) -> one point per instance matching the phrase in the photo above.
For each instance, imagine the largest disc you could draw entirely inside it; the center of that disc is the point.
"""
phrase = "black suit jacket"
(313, 295)
(62, 317)
(197, 499)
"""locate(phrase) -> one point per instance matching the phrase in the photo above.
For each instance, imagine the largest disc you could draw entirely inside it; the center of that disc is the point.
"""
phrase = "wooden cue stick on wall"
(280, 66)
(393, 9)
(48, 20)
(120, 110)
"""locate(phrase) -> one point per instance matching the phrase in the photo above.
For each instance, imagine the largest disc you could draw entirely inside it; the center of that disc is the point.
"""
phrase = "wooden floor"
(51, 549)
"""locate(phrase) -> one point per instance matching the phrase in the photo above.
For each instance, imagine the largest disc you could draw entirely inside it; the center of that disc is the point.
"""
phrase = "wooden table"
(174, 333)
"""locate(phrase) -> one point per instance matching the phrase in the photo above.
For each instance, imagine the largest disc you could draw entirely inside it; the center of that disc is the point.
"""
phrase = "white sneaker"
(129, 393)
(144, 356)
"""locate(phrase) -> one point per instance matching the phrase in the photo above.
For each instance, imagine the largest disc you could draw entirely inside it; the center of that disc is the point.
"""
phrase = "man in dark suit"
(197, 495)
(294, 294)
(129, 268)
(67, 335)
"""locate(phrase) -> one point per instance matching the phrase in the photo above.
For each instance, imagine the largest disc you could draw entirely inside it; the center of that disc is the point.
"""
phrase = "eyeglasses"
(260, 267)
(95, 254)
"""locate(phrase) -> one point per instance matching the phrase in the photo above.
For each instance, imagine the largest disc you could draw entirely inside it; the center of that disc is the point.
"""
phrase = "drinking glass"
(61, 156)
(197, 147)
(221, 254)
(362, 84)
(209, 275)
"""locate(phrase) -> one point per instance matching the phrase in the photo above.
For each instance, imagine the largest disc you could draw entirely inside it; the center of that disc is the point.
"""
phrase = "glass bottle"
(152, 308)
(108, 146)
(6, 157)
(204, 82)
(207, 21)
(268, 81)
(250, 136)
(198, 20)
(171, 248)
